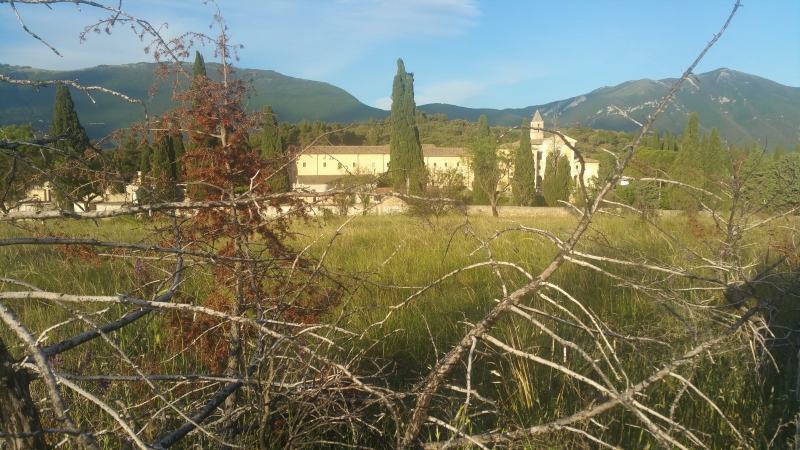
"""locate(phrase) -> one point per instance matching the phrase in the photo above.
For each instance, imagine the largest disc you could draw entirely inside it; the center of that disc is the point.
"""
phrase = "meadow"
(407, 290)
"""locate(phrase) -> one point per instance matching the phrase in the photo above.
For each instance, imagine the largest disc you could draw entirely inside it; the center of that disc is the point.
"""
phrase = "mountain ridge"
(743, 107)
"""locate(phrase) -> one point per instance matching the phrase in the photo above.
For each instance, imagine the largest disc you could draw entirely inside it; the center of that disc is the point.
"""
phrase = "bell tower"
(537, 122)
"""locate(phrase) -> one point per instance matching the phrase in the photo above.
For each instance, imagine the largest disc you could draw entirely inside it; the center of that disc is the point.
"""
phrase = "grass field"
(384, 261)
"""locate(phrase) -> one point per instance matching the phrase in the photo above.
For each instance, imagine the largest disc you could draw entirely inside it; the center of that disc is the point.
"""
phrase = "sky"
(473, 53)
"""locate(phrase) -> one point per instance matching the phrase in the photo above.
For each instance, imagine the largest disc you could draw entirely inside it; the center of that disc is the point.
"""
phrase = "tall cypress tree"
(72, 166)
(687, 167)
(405, 150)
(484, 164)
(777, 154)
(272, 151)
(557, 183)
(193, 160)
(524, 183)
(199, 67)
(484, 167)
(715, 160)
(160, 170)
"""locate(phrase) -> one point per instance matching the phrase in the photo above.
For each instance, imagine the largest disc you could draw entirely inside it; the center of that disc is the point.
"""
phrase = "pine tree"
(524, 183)
(405, 150)
(75, 166)
(272, 152)
(557, 183)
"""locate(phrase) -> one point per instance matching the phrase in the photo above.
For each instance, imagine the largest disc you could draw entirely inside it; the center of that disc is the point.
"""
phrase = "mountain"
(292, 99)
(743, 107)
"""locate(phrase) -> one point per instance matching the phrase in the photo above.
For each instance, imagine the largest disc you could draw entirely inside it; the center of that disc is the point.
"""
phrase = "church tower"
(537, 122)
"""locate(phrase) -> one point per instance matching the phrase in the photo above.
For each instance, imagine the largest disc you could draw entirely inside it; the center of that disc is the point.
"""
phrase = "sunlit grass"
(382, 260)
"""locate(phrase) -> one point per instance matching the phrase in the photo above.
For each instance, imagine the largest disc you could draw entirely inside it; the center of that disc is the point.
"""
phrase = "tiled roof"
(537, 117)
(427, 150)
(348, 150)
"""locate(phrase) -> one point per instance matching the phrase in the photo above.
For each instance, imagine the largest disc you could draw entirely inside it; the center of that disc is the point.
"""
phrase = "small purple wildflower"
(89, 357)
(56, 362)
(138, 269)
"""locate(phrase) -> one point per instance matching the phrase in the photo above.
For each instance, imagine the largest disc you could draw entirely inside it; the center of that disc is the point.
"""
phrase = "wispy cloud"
(320, 38)
(455, 92)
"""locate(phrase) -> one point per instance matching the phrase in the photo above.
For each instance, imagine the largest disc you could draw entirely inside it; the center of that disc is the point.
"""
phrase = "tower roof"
(537, 117)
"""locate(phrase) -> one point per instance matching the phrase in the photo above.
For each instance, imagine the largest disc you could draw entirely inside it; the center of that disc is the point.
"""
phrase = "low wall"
(520, 211)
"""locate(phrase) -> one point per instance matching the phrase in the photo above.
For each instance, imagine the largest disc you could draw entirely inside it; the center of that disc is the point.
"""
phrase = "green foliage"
(524, 182)
(444, 193)
(484, 165)
(557, 182)
(18, 176)
(75, 166)
(127, 159)
(777, 154)
(272, 152)
(688, 167)
(199, 67)
(405, 151)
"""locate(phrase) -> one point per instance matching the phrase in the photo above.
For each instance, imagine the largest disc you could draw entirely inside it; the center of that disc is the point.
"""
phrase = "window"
(457, 164)
(354, 165)
(304, 164)
(445, 164)
(324, 164)
(434, 164)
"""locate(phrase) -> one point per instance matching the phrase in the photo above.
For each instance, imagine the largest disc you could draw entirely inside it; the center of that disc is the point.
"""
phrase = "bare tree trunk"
(18, 414)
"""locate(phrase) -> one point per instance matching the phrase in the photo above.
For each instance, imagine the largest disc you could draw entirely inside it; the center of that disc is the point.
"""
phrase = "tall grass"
(383, 260)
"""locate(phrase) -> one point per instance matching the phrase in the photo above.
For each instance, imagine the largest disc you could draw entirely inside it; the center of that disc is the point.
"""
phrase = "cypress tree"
(199, 67)
(405, 151)
(687, 167)
(194, 161)
(715, 161)
(272, 151)
(557, 183)
(777, 154)
(160, 176)
(74, 179)
(127, 158)
(484, 164)
(65, 121)
(524, 183)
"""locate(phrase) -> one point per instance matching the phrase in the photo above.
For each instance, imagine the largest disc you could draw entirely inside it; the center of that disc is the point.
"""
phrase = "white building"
(319, 167)
(545, 147)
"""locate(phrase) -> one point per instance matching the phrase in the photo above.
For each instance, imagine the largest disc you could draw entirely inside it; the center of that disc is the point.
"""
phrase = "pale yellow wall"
(341, 163)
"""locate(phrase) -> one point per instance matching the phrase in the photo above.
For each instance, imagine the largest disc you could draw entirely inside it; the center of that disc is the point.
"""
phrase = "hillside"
(743, 107)
(293, 99)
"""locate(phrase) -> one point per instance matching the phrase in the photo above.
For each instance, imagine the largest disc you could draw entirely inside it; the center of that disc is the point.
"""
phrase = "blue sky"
(473, 53)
